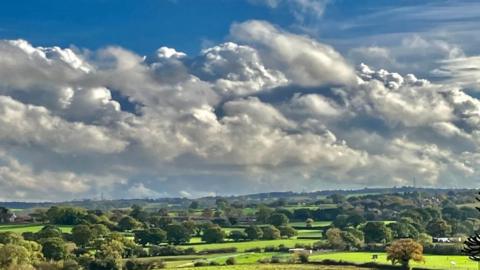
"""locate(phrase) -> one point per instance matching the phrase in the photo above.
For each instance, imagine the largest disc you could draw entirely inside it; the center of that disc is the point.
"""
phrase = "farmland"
(276, 235)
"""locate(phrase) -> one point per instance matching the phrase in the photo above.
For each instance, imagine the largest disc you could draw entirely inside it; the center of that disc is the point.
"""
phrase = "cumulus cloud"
(305, 61)
(270, 110)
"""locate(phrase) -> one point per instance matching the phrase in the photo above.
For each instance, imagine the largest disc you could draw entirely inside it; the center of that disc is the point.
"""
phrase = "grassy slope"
(241, 246)
(274, 267)
(431, 261)
(21, 228)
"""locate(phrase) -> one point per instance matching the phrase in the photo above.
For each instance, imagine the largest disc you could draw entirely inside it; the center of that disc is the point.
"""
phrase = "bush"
(231, 261)
(275, 259)
(255, 249)
(282, 248)
(144, 265)
(200, 263)
(270, 249)
(219, 250)
(264, 260)
(170, 251)
(303, 257)
(214, 263)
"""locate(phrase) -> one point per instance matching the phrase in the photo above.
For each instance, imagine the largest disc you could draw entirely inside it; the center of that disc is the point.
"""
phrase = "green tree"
(49, 231)
(254, 232)
(177, 234)
(263, 213)
(403, 251)
(278, 219)
(153, 236)
(439, 228)
(54, 248)
(237, 235)
(270, 233)
(377, 232)
(128, 223)
(13, 256)
(213, 234)
(309, 223)
(5, 215)
(10, 238)
(82, 235)
(287, 231)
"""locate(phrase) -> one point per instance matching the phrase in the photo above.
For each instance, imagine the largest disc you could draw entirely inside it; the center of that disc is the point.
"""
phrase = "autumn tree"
(403, 251)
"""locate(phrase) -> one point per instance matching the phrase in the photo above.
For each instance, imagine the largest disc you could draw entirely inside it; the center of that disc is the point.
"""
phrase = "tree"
(278, 219)
(309, 223)
(355, 220)
(194, 205)
(153, 236)
(128, 223)
(341, 221)
(335, 239)
(270, 233)
(287, 231)
(439, 228)
(237, 235)
(177, 234)
(403, 230)
(12, 256)
(66, 215)
(10, 238)
(263, 213)
(99, 230)
(5, 215)
(213, 234)
(82, 235)
(54, 248)
(49, 231)
(377, 232)
(254, 232)
(403, 250)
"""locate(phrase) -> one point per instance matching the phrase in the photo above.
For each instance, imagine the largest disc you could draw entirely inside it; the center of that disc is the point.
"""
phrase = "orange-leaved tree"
(403, 250)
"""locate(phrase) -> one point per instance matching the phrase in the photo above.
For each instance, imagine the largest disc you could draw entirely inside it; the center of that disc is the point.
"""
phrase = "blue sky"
(143, 26)
(192, 98)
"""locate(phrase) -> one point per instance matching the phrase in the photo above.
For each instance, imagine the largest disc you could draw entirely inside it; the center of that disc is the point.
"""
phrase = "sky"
(168, 98)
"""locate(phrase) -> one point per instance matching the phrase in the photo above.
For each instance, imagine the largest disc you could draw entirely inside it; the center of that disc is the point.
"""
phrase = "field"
(275, 267)
(21, 228)
(431, 261)
(242, 246)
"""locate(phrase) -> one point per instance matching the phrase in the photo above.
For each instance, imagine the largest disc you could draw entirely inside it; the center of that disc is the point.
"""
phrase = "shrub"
(255, 249)
(275, 259)
(231, 261)
(303, 257)
(144, 265)
(219, 250)
(270, 249)
(214, 263)
(200, 263)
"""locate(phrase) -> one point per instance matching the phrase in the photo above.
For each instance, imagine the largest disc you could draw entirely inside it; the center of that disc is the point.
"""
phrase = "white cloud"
(274, 110)
(303, 60)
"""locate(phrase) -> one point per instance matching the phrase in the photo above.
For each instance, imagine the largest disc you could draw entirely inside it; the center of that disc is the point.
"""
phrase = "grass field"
(315, 224)
(21, 228)
(431, 261)
(242, 246)
(275, 267)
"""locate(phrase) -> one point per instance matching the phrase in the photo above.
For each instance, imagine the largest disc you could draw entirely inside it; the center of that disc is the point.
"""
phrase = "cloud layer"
(269, 110)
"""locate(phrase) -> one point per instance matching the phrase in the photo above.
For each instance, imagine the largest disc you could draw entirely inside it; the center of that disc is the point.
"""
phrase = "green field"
(242, 246)
(431, 261)
(315, 224)
(275, 267)
(21, 228)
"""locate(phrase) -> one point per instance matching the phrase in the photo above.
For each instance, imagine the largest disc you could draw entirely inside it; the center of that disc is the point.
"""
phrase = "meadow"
(431, 261)
(242, 246)
(21, 228)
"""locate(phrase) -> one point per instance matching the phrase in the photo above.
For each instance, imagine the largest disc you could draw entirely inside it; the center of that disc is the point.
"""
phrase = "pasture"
(21, 228)
(456, 262)
(242, 246)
